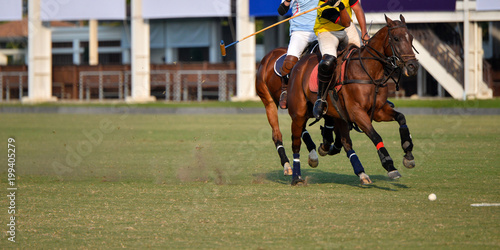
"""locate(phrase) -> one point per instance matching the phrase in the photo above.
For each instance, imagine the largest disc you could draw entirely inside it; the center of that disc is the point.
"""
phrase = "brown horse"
(268, 86)
(361, 99)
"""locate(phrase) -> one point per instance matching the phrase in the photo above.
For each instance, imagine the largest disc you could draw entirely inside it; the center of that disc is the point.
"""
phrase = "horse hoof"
(287, 169)
(313, 159)
(365, 179)
(394, 174)
(408, 163)
(333, 150)
(321, 151)
(297, 181)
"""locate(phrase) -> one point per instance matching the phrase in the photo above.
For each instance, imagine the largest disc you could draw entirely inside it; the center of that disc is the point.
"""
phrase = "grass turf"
(214, 181)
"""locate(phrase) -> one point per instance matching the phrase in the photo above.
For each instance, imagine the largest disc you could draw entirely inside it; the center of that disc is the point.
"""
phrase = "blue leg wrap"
(296, 165)
(356, 164)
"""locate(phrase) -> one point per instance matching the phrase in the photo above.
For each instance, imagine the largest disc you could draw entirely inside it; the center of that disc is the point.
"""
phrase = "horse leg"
(311, 147)
(272, 117)
(278, 142)
(336, 147)
(327, 134)
(386, 160)
(406, 142)
(298, 125)
(287, 169)
(351, 154)
(387, 113)
(329, 145)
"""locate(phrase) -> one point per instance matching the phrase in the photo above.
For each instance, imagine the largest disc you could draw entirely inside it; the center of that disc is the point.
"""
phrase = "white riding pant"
(354, 36)
(330, 41)
(299, 40)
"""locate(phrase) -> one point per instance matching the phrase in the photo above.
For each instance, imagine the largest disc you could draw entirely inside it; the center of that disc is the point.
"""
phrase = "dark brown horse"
(362, 97)
(268, 86)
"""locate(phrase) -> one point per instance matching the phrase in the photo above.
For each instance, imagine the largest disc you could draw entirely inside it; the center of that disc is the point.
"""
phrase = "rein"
(397, 58)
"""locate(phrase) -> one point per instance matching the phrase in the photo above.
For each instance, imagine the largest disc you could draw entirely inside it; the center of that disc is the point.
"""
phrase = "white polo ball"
(432, 197)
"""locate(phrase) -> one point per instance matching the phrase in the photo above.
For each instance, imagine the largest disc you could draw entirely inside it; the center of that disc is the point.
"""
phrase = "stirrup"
(320, 103)
(283, 103)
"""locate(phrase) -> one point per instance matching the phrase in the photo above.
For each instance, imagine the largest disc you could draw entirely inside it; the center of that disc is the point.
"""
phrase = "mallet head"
(222, 48)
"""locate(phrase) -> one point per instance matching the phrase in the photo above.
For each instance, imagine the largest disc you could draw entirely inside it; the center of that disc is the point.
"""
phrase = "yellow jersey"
(327, 17)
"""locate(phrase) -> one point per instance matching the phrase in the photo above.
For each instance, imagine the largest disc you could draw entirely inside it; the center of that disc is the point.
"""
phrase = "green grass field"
(214, 181)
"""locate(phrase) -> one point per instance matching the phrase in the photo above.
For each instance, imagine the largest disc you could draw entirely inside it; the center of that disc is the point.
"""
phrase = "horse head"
(399, 46)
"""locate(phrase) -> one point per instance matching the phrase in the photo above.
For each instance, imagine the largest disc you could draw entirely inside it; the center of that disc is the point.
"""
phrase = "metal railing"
(92, 79)
(9, 77)
(488, 74)
(177, 83)
(442, 52)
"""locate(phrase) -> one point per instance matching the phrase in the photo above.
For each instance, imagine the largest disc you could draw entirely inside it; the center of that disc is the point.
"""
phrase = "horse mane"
(397, 22)
(312, 47)
(348, 48)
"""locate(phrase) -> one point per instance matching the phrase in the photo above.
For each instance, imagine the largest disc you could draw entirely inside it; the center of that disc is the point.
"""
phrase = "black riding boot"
(325, 71)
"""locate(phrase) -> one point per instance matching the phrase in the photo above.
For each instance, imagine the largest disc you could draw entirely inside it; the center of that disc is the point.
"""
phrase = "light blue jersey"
(306, 21)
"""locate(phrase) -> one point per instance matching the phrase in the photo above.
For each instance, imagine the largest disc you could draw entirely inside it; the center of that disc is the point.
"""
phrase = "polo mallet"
(223, 47)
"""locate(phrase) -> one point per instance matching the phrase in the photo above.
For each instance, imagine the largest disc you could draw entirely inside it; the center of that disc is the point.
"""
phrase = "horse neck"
(375, 49)
(377, 42)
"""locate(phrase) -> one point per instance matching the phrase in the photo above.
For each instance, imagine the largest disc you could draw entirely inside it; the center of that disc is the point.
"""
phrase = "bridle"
(397, 59)
(391, 64)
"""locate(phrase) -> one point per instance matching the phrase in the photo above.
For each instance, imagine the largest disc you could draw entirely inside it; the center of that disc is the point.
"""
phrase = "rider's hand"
(365, 38)
(341, 6)
(336, 3)
(333, 3)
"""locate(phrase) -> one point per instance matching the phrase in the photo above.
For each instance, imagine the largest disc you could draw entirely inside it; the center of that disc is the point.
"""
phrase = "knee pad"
(326, 68)
(327, 64)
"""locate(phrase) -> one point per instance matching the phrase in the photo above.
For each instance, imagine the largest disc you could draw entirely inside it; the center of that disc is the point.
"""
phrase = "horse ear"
(402, 18)
(389, 21)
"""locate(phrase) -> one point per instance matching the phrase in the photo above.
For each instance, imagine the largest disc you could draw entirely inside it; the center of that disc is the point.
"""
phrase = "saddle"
(313, 81)
(345, 55)
(311, 48)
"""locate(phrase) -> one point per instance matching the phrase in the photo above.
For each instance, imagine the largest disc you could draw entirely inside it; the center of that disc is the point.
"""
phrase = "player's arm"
(345, 19)
(360, 15)
(338, 16)
(284, 7)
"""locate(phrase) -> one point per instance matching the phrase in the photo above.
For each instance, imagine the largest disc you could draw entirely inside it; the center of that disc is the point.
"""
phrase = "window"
(62, 59)
(193, 54)
(110, 58)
